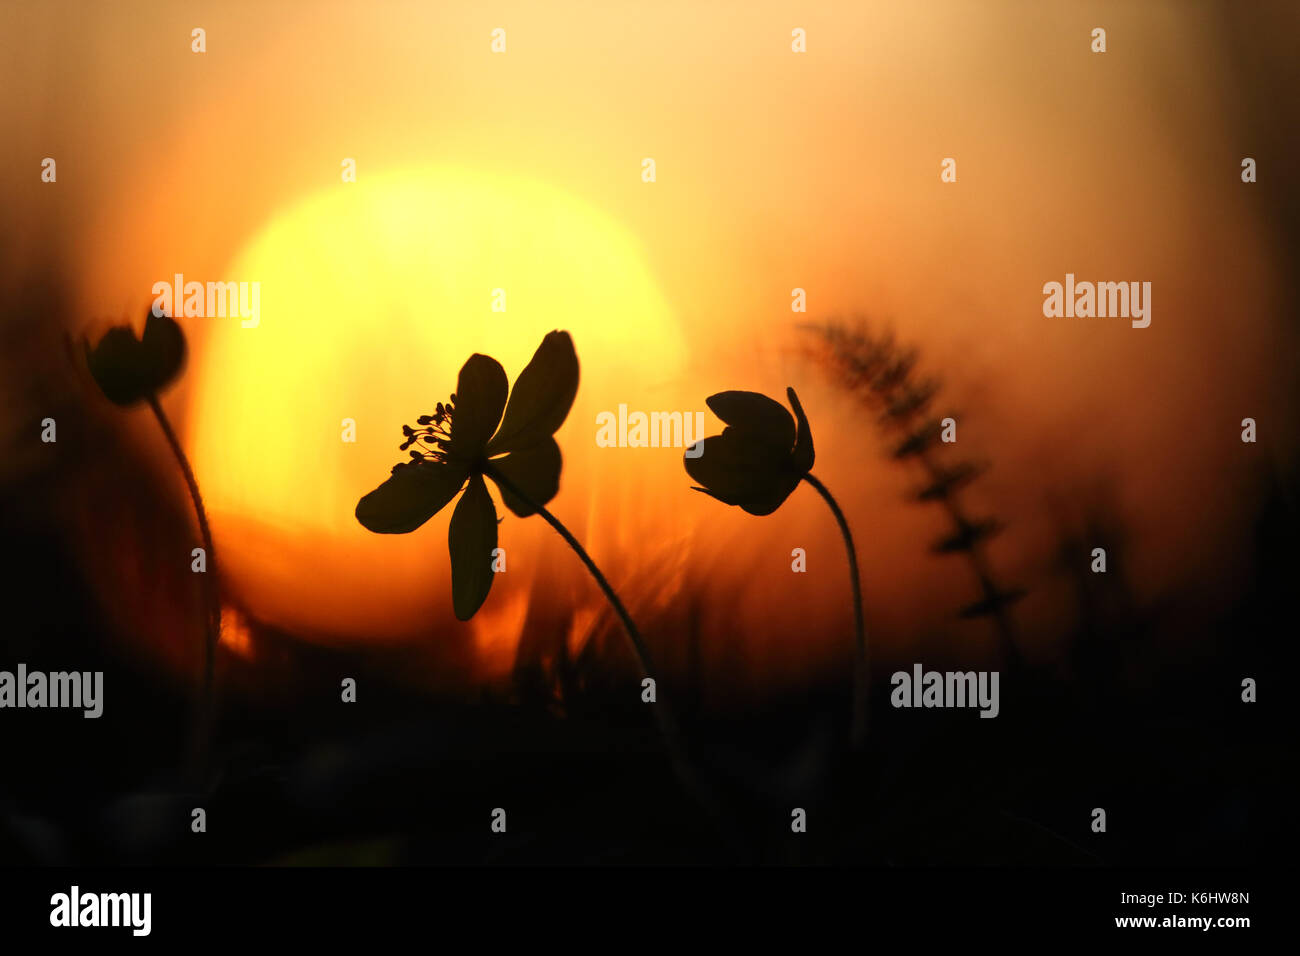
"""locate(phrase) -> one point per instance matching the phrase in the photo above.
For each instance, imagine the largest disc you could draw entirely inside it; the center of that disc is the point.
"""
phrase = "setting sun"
(827, 434)
(372, 295)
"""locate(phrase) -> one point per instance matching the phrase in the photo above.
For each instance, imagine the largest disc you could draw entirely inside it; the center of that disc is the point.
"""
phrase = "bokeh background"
(522, 171)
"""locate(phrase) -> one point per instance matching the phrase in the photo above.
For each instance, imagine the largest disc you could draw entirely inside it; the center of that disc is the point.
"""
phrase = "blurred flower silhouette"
(129, 370)
(455, 447)
(757, 461)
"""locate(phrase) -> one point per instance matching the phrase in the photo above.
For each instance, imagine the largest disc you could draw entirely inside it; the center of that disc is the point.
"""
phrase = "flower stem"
(638, 643)
(213, 610)
(663, 713)
(859, 725)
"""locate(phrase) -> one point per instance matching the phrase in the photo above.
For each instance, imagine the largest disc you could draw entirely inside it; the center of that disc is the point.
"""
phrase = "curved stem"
(638, 643)
(663, 713)
(859, 726)
(213, 627)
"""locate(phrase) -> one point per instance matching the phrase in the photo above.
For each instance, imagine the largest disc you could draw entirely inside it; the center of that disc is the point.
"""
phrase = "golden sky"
(775, 170)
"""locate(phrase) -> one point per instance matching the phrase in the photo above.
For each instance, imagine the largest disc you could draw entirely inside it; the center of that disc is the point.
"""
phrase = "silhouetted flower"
(757, 461)
(459, 443)
(129, 370)
(760, 457)
(455, 447)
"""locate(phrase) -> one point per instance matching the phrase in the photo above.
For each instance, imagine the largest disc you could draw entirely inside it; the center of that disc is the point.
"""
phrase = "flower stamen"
(433, 436)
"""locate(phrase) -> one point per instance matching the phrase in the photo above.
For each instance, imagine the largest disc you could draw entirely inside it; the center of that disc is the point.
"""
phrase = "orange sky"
(775, 170)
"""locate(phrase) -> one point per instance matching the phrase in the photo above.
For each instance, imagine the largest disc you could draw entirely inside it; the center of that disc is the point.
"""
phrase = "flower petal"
(763, 418)
(162, 349)
(535, 471)
(802, 457)
(542, 396)
(471, 539)
(739, 471)
(414, 493)
(115, 365)
(480, 397)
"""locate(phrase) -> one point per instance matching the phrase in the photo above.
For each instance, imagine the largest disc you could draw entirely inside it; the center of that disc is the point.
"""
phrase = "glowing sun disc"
(373, 294)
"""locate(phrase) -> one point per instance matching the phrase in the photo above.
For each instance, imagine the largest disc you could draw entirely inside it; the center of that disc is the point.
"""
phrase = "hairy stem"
(213, 610)
(859, 726)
